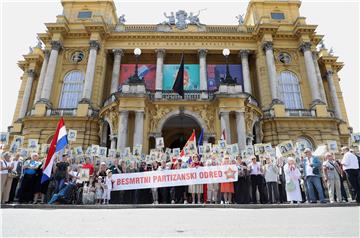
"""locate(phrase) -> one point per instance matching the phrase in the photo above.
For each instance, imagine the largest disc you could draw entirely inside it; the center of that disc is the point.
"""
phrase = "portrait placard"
(95, 150)
(84, 174)
(102, 152)
(176, 152)
(45, 149)
(249, 150)
(207, 148)
(286, 148)
(259, 149)
(32, 143)
(72, 135)
(4, 138)
(137, 150)
(78, 151)
(332, 146)
(159, 142)
(235, 149)
(112, 153)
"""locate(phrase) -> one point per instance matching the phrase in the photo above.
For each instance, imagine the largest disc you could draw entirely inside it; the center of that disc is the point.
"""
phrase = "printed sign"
(170, 178)
(191, 76)
(145, 71)
(217, 71)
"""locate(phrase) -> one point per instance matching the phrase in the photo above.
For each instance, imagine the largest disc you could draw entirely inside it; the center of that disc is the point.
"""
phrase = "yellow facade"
(97, 121)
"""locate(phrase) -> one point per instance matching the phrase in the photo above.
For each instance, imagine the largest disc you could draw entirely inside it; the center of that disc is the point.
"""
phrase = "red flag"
(192, 138)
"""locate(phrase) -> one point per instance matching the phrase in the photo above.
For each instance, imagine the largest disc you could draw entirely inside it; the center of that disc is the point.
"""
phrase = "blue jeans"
(62, 193)
(312, 181)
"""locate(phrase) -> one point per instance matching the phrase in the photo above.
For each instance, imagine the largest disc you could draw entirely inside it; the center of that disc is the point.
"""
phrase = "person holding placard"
(5, 167)
(242, 186)
(227, 189)
(271, 173)
(196, 189)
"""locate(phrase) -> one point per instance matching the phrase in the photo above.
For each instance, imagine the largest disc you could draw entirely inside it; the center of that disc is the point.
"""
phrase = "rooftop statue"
(181, 17)
(39, 43)
(171, 19)
(122, 19)
(194, 19)
(240, 18)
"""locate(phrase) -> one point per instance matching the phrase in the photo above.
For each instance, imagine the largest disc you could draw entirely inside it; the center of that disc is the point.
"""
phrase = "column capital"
(94, 44)
(267, 45)
(202, 52)
(305, 46)
(124, 112)
(56, 45)
(329, 73)
(46, 54)
(224, 113)
(139, 112)
(160, 52)
(244, 53)
(118, 52)
(31, 73)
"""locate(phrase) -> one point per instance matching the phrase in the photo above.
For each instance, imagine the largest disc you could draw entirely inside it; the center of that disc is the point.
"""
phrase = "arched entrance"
(178, 128)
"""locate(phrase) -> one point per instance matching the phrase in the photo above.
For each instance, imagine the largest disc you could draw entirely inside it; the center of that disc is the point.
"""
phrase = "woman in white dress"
(292, 176)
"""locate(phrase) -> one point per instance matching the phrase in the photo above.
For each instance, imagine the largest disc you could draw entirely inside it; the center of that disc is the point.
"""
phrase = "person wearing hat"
(312, 173)
(351, 167)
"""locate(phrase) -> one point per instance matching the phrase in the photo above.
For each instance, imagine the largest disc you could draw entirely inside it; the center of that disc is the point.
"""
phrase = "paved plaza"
(324, 221)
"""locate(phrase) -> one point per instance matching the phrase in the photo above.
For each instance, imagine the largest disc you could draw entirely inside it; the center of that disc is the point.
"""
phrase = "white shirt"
(309, 169)
(350, 161)
(3, 165)
(255, 168)
(15, 163)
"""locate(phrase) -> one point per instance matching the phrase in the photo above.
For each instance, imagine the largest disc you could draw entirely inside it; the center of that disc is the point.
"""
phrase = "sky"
(22, 20)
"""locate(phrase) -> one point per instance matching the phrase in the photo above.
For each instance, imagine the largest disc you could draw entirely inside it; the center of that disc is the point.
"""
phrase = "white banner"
(179, 177)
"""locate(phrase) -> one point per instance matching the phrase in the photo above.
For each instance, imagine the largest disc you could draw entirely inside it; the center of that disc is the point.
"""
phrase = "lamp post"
(135, 79)
(228, 79)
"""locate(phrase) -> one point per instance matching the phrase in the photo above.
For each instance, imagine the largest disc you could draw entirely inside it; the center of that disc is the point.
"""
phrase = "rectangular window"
(277, 16)
(85, 14)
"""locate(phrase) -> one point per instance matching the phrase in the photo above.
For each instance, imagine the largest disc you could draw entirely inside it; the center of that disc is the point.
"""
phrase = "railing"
(300, 113)
(189, 95)
(61, 112)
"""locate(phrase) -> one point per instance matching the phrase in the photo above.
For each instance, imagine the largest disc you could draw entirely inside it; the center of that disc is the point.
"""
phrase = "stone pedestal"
(321, 110)
(230, 89)
(134, 88)
(279, 110)
(82, 110)
(40, 109)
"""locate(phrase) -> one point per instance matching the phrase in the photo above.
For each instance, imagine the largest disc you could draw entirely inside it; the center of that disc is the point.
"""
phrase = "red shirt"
(90, 167)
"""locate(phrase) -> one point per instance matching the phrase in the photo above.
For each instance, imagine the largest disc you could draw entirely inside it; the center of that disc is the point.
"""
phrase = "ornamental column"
(241, 130)
(139, 128)
(225, 125)
(160, 55)
(90, 71)
(203, 75)
(244, 54)
(305, 47)
(334, 97)
(118, 53)
(27, 92)
(319, 78)
(113, 142)
(122, 129)
(268, 48)
(42, 76)
(56, 46)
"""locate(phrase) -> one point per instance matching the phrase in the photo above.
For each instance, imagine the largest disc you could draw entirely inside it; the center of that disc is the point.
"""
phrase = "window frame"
(86, 16)
(294, 95)
(67, 82)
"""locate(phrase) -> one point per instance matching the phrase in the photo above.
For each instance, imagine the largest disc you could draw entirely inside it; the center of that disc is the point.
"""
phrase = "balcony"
(295, 113)
(189, 95)
(61, 112)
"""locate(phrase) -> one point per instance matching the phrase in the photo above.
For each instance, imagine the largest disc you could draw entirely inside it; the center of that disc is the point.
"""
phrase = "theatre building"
(266, 78)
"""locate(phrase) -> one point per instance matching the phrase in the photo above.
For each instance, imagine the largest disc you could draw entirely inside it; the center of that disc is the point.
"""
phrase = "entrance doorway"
(177, 130)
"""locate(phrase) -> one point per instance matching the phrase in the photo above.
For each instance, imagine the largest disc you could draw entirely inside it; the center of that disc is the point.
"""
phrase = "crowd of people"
(307, 179)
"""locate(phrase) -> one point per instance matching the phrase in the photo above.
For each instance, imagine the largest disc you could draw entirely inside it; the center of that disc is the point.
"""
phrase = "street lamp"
(228, 79)
(135, 78)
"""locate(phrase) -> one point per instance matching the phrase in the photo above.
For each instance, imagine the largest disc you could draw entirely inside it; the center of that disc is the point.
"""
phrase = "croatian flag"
(191, 140)
(58, 143)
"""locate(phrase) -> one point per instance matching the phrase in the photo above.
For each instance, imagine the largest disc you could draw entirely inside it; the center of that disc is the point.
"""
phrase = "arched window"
(289, 90)
(72, 89)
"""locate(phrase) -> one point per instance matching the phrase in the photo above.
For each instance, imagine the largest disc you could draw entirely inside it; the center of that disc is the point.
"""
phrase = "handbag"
(13, 174)
(290, 186)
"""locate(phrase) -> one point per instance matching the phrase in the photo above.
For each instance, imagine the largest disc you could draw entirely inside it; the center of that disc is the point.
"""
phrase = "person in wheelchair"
(65, 194)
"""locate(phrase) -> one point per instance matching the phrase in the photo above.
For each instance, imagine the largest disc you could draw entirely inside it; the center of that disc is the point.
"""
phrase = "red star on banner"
(229, 173)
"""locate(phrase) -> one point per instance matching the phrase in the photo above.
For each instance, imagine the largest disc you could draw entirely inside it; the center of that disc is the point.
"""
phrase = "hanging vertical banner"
(217, 71)
(191, 76)
(146, 71)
